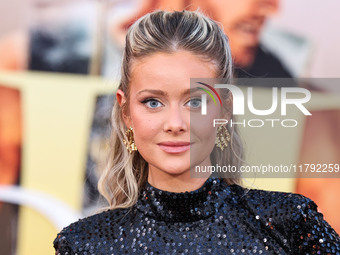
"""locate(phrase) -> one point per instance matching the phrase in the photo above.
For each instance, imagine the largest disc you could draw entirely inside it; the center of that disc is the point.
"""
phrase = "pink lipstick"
(174, 147)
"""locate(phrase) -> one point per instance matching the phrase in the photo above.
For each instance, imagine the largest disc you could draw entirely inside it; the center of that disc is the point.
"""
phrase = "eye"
(152, 103)
(194, 103)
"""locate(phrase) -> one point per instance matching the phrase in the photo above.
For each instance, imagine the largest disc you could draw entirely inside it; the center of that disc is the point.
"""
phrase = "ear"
(122, 100)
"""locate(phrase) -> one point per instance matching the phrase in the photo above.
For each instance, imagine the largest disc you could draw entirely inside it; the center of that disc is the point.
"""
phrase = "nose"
(176, 121)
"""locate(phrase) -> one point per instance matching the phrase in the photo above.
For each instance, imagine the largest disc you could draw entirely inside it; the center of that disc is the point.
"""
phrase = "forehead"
(163, 69)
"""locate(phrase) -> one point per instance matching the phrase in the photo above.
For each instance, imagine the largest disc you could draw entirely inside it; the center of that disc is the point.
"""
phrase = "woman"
(155, 207)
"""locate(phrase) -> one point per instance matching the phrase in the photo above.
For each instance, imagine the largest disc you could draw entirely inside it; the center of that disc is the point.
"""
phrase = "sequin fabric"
(215, 219)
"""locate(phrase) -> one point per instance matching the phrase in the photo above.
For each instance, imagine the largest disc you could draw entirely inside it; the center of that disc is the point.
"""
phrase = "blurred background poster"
(62, 36)
(59, 68)
(10, 160)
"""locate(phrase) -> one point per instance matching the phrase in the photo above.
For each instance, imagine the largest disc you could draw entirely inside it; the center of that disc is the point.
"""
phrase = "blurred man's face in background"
(242, 21)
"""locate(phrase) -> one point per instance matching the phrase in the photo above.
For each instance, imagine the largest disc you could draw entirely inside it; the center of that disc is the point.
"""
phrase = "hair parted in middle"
(165, 32)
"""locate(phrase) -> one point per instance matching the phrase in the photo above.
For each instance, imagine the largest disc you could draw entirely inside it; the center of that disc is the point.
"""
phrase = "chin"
(177, 170)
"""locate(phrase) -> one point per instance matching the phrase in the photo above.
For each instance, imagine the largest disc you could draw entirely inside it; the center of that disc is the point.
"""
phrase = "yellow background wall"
(57, 115)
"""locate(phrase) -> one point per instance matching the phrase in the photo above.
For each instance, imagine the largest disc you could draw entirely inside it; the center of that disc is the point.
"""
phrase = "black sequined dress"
(215, 219)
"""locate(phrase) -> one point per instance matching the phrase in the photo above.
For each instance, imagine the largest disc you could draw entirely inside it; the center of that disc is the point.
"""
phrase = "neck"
(170, 206)
(174, 183)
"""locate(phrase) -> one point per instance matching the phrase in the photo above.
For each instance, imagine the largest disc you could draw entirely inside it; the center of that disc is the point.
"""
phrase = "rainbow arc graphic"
(209, 93)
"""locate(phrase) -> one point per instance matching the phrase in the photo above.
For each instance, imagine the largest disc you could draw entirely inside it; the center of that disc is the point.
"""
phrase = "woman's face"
(161, 107)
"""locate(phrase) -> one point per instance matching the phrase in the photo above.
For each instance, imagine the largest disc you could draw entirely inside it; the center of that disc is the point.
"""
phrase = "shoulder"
(257, 195)
(90, 229)
(260, 197)
(293, 217)
(275, 204)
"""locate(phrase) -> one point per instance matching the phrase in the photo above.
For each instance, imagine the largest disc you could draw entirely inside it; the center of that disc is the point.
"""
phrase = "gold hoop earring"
(130, 142)
(222, 137)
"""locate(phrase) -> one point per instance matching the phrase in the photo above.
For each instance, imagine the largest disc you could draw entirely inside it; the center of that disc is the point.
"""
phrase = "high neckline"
(183, 206)
(203, 187)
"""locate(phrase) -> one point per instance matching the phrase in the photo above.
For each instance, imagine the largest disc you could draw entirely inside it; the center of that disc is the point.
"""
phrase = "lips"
(174, 146)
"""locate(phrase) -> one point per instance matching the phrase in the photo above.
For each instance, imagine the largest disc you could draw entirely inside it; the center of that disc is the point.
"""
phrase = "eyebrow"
(162, 93)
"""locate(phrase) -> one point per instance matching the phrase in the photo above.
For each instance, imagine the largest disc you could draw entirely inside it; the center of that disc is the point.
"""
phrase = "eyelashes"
(194, 103)
(153, 103)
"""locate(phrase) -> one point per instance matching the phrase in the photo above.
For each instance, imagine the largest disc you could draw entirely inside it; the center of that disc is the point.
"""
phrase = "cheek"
(145, 127)
(202, 126)
(205, 133)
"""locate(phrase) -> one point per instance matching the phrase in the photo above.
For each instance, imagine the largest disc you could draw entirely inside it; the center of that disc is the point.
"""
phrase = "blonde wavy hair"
(167, 32)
